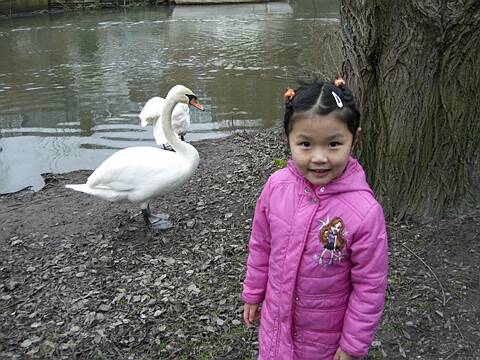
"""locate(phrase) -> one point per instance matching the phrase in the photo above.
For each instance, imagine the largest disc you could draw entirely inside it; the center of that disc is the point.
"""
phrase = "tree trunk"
(414, 67)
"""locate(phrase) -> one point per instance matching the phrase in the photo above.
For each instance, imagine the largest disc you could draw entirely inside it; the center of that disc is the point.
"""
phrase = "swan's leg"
(182, 137)
(156, 222)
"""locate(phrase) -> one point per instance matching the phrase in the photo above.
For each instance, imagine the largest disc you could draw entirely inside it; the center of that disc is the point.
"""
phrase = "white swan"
(151, 114)
(140, 174)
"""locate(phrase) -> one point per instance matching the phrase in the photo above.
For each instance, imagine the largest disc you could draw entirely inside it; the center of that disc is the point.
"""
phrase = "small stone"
(104, 308)
(49, 343)
(193, 288)
(11, 285)
(105, 259)
(33, 351)
(75, 328)
(26, 343)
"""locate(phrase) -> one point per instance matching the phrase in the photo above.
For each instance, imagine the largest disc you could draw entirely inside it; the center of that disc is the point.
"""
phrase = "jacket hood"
(352, 179)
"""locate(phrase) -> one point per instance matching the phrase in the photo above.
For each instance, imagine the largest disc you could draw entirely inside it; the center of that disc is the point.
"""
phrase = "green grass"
(280, 163)
(99, 356)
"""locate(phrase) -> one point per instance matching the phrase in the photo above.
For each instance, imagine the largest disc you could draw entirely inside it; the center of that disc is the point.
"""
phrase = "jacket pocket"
(324, 302)
(317, 341)
(320, 314)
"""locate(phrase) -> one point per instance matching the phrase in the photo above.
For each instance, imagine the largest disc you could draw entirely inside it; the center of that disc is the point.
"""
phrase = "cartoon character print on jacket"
(332, 236)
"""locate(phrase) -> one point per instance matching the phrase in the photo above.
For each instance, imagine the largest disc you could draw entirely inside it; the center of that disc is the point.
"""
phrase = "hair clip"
(337, 100)
(289, 94)
(339, 82)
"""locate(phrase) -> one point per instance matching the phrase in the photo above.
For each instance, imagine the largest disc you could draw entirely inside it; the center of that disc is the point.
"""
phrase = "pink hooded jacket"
(318, 292)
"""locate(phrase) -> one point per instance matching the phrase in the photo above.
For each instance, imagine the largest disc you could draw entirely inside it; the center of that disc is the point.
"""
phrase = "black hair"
(322, 98)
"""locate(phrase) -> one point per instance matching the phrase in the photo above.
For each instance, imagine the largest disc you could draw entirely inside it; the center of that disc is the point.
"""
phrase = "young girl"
(318, 250)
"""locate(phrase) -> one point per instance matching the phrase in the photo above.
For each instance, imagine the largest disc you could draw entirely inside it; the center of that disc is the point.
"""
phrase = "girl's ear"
(356, 137)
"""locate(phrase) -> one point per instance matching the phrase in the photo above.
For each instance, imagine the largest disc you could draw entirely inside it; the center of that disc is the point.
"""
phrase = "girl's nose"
(319, 156)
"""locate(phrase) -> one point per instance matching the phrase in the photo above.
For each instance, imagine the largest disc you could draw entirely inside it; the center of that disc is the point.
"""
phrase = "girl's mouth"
(319, 172)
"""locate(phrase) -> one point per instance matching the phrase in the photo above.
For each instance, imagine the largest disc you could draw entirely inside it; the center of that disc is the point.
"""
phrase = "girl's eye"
(304, 144)
(334, 144)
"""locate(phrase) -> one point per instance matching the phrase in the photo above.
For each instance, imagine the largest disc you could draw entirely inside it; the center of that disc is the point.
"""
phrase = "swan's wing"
(152, 111)
(181, 119)
(133, 168)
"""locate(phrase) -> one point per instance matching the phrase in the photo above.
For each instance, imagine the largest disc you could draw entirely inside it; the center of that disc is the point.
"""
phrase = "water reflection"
(72, 85)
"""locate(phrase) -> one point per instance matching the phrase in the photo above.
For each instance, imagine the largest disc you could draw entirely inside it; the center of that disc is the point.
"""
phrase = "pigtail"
(345, 92)
(288, 97)
(330, 98)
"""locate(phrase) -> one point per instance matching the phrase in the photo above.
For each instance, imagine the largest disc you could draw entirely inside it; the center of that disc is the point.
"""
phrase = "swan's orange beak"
(194, 102)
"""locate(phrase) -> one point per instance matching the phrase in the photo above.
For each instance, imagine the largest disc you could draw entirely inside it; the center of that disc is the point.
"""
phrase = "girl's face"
(320, 146)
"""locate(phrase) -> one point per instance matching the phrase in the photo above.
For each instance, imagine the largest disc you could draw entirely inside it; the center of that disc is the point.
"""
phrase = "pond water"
(72, 84)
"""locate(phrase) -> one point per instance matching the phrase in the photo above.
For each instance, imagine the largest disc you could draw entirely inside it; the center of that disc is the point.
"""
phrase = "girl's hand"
(250, 313)
(342, 355)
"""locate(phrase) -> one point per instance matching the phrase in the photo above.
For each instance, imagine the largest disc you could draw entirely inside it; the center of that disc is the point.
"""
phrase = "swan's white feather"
(152, 111)
(137, 174)
(151, 114)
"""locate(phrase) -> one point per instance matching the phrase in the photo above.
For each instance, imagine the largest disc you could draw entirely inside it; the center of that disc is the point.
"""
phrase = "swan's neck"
(181, 147)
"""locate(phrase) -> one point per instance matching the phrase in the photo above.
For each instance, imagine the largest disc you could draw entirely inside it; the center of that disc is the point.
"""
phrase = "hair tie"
(339, 82)
(289, 94)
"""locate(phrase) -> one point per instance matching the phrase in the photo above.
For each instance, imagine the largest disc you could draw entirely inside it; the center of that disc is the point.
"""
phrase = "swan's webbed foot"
(156, 222)
(160, 225)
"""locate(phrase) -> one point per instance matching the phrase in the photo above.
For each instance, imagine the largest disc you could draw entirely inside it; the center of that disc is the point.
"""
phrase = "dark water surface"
(72, 84)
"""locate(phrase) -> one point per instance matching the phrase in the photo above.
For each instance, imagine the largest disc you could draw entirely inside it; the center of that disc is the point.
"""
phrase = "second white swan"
(151, 114)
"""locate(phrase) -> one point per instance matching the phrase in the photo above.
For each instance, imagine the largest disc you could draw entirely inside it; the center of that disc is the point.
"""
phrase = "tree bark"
(414, 67)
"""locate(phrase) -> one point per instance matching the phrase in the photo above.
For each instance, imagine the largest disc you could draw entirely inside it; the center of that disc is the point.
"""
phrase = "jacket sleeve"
(255, 283)
(369, 258)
